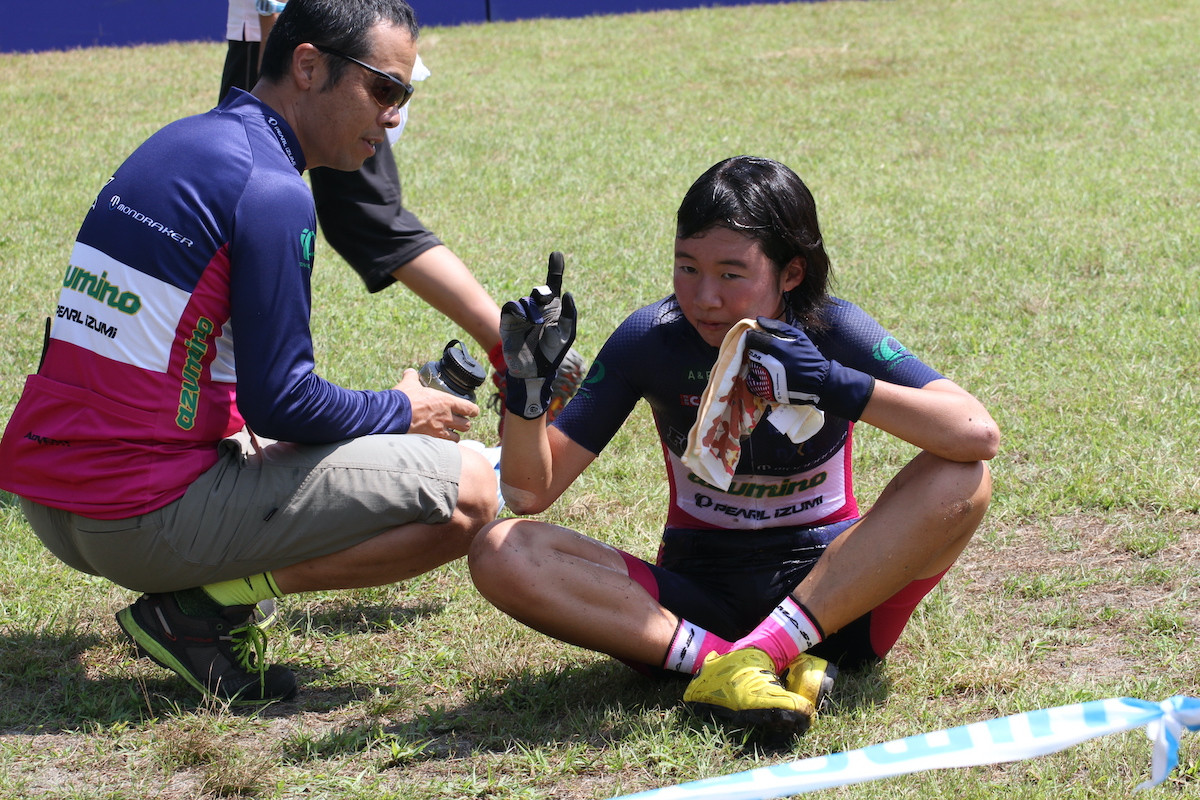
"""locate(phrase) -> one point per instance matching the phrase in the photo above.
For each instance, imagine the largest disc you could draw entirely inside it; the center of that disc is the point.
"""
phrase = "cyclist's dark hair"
(766, 201)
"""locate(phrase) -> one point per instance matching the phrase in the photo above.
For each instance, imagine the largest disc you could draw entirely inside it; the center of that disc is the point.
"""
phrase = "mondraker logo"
(193, 367)
(80, 280)
(308, 239)
(115, 204)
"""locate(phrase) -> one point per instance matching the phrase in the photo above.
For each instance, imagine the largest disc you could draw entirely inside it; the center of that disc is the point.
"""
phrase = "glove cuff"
(845, 391)
(528, 398)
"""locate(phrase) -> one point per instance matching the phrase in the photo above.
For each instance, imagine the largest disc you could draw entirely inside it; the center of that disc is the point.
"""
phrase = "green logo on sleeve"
(890, 351)
(308, 238)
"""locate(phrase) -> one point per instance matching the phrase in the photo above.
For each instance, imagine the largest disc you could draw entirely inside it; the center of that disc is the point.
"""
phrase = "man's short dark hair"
(342, 25)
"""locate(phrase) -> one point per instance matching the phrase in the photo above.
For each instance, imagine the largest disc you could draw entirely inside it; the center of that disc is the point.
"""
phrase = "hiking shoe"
(220, 656)
(265, 613)
(741, 688)
(811, 678)
(567, 381)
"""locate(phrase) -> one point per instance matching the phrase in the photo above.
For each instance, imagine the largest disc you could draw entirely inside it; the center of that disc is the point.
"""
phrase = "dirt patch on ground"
(1096, 590)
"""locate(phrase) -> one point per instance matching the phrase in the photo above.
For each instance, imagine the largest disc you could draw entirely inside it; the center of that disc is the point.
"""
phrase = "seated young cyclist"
(759, 586)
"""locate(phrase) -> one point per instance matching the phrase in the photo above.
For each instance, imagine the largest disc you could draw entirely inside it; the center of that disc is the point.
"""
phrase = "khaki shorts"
(263, 506)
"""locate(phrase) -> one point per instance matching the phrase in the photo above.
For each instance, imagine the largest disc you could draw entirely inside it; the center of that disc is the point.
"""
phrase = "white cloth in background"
(420, 73)
(241, 22)
(729, 412)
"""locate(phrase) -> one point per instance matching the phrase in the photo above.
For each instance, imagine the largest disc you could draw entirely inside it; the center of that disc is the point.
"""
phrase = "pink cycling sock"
(785, 634)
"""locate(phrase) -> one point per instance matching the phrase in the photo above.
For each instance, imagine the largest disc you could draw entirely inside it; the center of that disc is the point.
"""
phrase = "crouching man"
(140, 449)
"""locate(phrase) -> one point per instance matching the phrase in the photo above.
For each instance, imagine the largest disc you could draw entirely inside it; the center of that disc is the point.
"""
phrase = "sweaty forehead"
(719, 242)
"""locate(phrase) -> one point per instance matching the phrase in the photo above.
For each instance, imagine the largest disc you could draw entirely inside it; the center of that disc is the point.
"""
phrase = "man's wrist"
(266, 8)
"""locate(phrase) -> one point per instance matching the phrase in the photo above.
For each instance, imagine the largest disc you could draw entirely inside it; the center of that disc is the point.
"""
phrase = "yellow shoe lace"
(249, 646)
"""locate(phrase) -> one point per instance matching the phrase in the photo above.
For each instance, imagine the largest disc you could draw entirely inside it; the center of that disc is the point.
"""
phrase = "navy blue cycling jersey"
(183, 314)
(656, 354)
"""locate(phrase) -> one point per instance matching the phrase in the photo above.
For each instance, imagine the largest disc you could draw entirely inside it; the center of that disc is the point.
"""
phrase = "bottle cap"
(459, 370)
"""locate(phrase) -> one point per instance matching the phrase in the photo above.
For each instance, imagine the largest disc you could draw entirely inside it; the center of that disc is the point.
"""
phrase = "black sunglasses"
(391, 92)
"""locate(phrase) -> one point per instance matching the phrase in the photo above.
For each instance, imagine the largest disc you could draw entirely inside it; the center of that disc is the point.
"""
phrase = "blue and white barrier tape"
(1034, 733)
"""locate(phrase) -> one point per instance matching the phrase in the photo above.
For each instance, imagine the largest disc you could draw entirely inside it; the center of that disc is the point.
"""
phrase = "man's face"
(344, 121)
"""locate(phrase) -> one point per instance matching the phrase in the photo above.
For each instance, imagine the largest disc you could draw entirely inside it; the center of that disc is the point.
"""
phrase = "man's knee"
(478, 498)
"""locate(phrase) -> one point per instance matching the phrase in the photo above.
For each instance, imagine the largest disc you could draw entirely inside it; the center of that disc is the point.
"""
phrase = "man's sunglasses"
(391, 92)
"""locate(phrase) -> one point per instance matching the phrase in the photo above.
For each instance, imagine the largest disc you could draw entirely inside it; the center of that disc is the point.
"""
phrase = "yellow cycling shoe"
(741, 688)
(811, 678)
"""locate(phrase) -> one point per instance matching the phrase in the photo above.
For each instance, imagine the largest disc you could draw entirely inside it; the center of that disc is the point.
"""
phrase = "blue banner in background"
(69, 24)
(500, 10)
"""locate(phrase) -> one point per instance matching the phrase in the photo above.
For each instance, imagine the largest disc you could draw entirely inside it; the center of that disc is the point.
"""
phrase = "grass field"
(1011, 187)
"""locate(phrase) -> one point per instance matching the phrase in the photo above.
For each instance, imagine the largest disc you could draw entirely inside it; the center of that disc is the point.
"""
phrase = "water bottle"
(456, 372)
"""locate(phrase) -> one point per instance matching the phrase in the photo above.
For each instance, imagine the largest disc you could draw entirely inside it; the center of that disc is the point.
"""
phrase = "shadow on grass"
(47, 690)
(49, 683)
(357, 616)
(596, 705)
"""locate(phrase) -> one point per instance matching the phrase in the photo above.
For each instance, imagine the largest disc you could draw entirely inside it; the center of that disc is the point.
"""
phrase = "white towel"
(729, 411)
(420, 72)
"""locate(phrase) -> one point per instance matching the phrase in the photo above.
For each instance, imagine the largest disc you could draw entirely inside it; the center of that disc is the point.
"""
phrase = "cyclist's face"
(722, 277)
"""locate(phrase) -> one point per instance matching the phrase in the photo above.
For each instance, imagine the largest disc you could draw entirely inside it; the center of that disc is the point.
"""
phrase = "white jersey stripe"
(117, 311)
